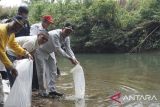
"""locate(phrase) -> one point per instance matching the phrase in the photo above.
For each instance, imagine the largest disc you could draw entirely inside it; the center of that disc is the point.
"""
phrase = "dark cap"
(69, 26)
(23, 9)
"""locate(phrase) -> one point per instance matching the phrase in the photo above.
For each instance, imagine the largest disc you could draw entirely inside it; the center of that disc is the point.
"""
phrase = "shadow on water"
(106, 74)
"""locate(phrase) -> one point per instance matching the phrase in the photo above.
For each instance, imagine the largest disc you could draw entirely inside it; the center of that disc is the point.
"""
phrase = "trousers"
(46, 72)
(1, 91)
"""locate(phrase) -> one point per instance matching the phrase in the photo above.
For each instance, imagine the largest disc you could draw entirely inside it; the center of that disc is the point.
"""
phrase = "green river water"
(107, 74)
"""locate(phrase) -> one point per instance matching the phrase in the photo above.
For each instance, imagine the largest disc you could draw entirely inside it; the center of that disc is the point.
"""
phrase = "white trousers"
(46, 72)
(1, 91)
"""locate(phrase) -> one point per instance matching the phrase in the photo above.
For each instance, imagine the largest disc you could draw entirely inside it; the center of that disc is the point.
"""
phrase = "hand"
(28, 55)
(74, 61)
(14, 72)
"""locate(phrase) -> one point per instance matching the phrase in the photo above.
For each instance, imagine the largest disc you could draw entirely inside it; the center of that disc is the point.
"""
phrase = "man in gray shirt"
(46, 62)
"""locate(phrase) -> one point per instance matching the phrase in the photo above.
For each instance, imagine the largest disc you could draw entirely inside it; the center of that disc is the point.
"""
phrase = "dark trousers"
(4, 75)
(9, 74)
(35, 84)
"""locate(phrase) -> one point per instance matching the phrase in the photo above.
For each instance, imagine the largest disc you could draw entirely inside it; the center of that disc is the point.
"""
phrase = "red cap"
(48, 18)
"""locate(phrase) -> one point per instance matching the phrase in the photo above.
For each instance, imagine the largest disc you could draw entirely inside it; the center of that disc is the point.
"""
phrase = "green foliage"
(7, 12)
(102, 25)
(104, 11)
(36, 10)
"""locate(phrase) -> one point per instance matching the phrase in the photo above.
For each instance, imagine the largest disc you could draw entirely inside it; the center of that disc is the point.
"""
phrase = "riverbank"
(144, 37)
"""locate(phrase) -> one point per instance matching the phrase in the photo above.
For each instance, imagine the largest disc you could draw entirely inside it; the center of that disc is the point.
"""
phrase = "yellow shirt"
(8, 40)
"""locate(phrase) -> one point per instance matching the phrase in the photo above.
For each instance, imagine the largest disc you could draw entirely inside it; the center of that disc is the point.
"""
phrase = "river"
(110, 74)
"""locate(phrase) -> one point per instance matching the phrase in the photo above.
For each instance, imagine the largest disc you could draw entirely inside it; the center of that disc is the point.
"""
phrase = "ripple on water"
(78, 102)
(65, 86)
(64, 73)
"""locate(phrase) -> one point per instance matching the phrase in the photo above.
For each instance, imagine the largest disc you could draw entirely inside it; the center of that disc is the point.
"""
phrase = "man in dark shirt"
(23, 11)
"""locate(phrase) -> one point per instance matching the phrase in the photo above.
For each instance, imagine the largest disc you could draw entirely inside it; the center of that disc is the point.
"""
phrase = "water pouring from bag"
(79, 81)
(79, 85)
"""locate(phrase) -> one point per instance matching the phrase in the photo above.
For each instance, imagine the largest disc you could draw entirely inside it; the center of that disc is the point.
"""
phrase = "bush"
(7, 12)
(105, 25)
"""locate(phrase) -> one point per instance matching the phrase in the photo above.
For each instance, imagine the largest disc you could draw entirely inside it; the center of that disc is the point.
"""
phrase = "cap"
(48, 18)
(23, 9)
(20, 20)
(69, 26)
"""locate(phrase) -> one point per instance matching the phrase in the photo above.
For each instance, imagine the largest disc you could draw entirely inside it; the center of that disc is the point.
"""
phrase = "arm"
(68, 48)
(3, 57)
(58, 48)
(15, 46)
(70, 52)
(8, 64)
(61, 51)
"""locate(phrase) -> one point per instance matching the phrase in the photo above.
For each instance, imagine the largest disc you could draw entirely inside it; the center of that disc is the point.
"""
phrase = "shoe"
(1, 105)
(34, 89)
(43, 94)
(55, 93)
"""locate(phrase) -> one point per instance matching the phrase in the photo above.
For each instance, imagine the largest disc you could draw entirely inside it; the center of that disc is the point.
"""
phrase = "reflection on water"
(80, 103)
(106, 74)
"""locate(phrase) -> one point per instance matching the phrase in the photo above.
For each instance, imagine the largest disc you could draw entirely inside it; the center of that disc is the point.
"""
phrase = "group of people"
(20, 40)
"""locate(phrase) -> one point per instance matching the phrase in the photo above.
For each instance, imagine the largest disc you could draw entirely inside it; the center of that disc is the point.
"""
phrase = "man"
(7, 38)
(29, 43)
(25, 31)
(47, 20)
(22, 11)
(46, 64)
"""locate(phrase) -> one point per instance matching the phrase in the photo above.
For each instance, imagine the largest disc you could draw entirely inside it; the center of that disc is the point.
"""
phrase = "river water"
(130, 75)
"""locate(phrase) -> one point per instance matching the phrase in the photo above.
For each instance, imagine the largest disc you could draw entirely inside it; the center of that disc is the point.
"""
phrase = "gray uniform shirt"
(35, 29)
(55, 43)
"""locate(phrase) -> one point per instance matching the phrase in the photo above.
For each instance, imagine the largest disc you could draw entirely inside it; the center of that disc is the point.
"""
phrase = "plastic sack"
(6, 89)
(20, 94)
(1, 90)
(80, 103)
(79, 81)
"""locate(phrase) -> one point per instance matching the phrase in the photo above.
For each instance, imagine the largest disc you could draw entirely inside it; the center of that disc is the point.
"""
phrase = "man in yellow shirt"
(7, 38)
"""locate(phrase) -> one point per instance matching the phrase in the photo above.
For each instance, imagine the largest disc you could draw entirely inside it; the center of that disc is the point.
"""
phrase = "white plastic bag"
(20, 95)
(6, 89)
(79, 81)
